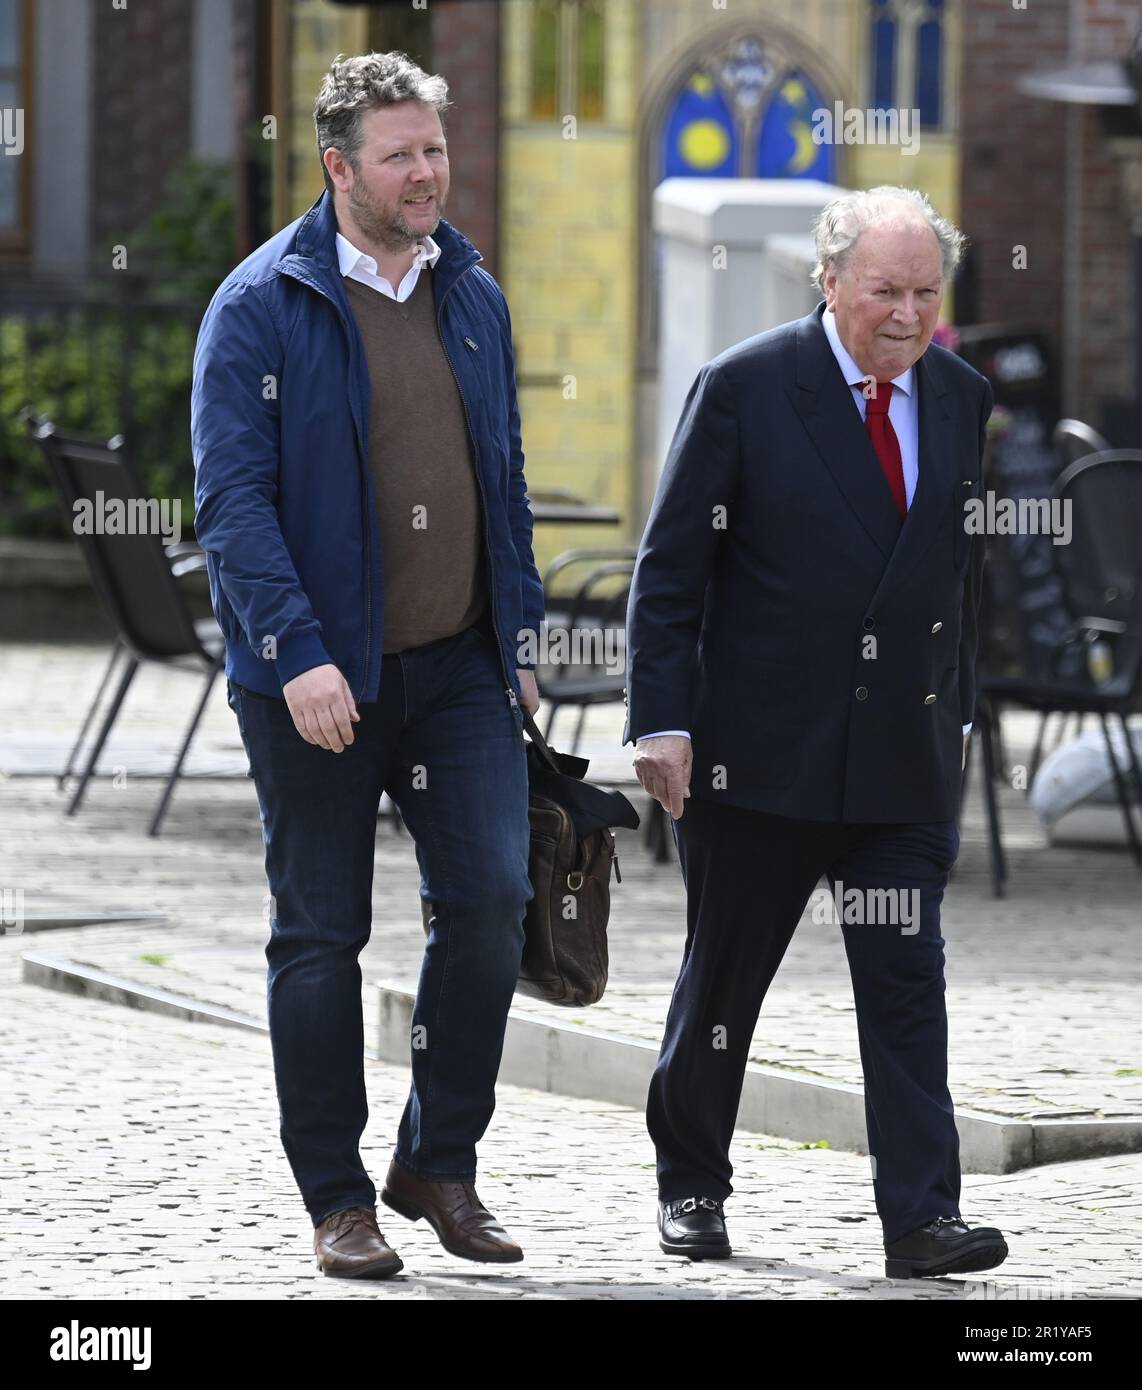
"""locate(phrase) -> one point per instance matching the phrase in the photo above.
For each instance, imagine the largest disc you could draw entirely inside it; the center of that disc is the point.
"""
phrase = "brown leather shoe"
(348, 1245)
(464, 1224)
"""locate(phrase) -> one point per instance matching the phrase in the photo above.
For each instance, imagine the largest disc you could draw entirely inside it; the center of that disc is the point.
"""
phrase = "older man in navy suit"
(802, 637)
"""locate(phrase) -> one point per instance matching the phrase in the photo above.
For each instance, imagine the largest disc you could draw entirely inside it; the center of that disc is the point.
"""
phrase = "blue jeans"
(446, 744)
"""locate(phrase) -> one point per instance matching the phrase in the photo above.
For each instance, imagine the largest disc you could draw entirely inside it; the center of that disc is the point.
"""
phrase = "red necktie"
(885, 443)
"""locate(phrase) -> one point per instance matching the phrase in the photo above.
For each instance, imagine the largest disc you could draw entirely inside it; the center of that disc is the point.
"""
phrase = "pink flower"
(947, 335)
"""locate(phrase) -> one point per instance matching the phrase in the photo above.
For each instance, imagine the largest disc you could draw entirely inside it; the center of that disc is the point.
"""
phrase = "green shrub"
(119, 361)
(74, 373)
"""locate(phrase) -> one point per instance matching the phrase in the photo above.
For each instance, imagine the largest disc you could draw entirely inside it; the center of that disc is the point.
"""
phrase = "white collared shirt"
(902, 408)
(358, 265)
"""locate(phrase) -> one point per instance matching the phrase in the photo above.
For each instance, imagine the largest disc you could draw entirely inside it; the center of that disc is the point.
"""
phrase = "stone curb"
(570, 1060)
(592, 1065)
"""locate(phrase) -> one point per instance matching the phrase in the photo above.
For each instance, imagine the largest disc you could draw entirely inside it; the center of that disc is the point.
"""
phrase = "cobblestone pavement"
(1043, 985)
(141, 1160)
(1042, 994)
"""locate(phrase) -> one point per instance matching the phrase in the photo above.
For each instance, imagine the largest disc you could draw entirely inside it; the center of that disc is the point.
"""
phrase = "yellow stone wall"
(317, 33)
(568, 248)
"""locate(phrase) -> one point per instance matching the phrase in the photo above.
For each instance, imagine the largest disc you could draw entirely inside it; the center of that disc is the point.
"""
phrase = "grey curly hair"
(841, 222)
(353, 86)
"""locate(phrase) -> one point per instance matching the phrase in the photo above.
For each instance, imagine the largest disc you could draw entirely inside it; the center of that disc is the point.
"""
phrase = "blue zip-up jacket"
(284, 501)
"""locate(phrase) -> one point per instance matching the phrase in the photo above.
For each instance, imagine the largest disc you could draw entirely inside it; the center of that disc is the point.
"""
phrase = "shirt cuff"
(967, 728)
(681, 733)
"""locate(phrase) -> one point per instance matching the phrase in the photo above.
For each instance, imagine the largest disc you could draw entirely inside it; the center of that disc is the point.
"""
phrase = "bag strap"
(540, 742)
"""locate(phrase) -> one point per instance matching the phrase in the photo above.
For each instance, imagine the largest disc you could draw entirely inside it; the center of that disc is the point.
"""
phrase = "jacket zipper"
(364, 463)
(512, 700)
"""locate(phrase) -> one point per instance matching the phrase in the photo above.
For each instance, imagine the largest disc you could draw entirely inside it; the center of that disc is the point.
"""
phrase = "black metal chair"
(579, 603)
(1074, 440)
(592, 607)
(136, 580)
(1101, 570)
(176, 554)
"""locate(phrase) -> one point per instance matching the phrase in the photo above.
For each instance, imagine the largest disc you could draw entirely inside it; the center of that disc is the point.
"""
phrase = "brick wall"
(1012, 161)
(1105, 361)
(1014, 186)
(141, 114)
(465, 51)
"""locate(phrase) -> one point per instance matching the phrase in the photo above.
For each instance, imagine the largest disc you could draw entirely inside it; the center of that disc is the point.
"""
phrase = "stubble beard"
(388, 229)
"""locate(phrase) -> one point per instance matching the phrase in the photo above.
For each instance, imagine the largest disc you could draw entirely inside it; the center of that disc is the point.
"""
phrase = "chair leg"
(552, 709)
(999, 748)
(1037, 753)
(1132, 756)
(1061, 732)
(1123, 792)
(105, 728)
(117, 651)
(164, 800)
(579, 728)
(995, 834)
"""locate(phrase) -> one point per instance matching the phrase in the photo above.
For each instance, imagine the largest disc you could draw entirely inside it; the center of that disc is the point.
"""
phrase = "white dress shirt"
(358, 265)
(903, 411)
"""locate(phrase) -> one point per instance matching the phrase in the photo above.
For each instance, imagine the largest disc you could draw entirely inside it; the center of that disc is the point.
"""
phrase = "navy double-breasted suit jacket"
(820, 654)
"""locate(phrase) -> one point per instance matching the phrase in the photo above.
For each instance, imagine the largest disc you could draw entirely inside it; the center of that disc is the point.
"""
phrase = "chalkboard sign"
(1025, 623)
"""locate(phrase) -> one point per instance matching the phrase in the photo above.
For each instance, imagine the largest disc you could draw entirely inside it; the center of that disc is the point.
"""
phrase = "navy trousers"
(748, 879)
(446, 744)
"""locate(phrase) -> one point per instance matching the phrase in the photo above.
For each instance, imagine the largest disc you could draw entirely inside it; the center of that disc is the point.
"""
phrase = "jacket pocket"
(749, 725)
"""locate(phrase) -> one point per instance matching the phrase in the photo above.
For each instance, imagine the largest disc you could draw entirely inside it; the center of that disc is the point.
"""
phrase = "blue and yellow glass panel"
(785, 145)
(882, 55)
(929, 66)
(699, 140)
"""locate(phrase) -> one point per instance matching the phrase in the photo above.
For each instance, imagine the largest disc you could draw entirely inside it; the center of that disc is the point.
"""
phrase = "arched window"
(929, 67)
(785, 145)
(744, 114)
(882, 53)
(567, 56)
(700, 137)
(907, 56)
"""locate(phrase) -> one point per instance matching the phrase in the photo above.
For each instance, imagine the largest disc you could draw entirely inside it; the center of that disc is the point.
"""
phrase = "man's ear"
(333, 156)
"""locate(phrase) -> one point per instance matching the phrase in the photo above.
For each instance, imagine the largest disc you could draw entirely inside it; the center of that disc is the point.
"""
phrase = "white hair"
(840, 223)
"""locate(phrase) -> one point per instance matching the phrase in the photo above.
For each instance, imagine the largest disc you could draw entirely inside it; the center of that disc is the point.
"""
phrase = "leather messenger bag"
(570, 860)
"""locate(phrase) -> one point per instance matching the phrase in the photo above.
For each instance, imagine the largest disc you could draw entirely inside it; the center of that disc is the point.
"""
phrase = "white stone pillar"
(736, 256)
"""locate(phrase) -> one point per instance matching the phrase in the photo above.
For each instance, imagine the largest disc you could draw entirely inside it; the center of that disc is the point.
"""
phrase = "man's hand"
(663, 767)
(529, 691)
(323, 707)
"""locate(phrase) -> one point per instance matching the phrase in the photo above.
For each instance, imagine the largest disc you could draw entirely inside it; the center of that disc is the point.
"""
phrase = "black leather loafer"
(694, 1227)
(944, 1246)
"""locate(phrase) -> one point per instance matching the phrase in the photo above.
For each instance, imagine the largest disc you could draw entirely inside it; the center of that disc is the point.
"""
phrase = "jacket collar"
(823, 400)
(315, 246)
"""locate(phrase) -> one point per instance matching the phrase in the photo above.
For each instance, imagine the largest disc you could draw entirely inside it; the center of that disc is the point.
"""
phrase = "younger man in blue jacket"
(361, 500)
